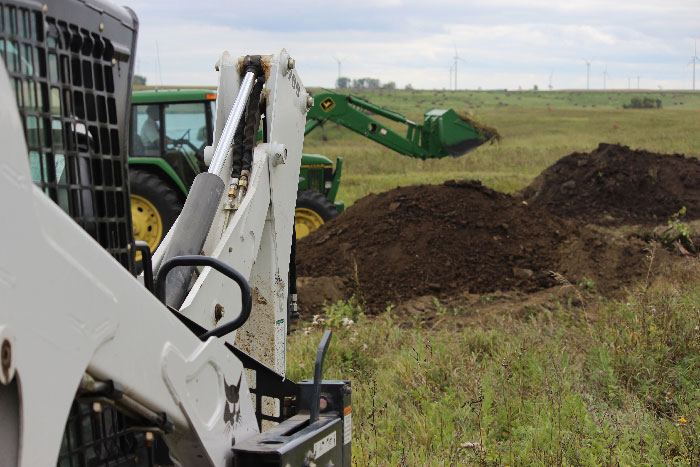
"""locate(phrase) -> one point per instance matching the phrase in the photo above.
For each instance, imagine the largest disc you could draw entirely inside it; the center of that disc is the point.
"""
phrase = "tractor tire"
(155, 206)
(312, 211)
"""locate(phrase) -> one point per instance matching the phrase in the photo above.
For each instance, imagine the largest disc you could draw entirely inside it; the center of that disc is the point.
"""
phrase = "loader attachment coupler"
(320, 433)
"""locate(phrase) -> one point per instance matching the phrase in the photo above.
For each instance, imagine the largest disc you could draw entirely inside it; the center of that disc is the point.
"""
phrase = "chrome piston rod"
(234, 117)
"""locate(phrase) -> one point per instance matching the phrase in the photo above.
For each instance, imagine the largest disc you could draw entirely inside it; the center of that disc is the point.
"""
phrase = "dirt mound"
(615, 185)
(457, 238)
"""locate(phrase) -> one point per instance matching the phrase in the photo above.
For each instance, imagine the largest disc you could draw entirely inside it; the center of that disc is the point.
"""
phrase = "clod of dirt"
(615, 185)
(417, 307)
(314, 292)
(461, 237)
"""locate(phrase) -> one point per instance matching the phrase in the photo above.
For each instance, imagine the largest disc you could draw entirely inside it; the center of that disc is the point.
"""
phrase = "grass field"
(533, 135)
(610, 383)
(593, 382)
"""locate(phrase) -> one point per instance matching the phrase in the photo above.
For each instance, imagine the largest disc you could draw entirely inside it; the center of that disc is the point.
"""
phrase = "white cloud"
(503, 44)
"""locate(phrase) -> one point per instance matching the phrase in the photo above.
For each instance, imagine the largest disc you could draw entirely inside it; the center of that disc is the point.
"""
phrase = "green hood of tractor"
(315, 159)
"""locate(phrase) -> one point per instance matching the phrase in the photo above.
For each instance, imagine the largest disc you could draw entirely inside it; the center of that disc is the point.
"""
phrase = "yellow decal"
(327, 104)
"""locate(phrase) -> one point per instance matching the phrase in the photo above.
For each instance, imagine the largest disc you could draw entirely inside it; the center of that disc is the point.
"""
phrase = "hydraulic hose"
(247, 129)
(251, 124)
(237, 148)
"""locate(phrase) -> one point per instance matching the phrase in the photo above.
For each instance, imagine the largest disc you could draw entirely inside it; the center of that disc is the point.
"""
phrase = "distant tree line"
(363, 83)
(643, 103)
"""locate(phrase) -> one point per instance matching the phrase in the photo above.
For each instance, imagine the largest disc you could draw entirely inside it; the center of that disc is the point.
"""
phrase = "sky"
(500, 44)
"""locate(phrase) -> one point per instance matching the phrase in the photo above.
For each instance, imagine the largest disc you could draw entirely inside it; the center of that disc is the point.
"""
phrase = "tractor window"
(146, 130)
(186, 127)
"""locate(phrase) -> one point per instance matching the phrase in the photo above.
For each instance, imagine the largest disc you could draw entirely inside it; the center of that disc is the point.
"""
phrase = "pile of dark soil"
(615, 185)
(458, 238)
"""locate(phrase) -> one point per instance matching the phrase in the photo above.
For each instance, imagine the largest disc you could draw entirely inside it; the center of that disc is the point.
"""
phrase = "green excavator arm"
(443, 132)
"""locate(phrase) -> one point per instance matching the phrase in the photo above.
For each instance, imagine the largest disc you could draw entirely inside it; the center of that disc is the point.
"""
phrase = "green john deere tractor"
(171, 128)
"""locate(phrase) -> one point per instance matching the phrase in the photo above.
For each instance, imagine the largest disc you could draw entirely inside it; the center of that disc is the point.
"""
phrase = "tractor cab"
(169, 131)
(174, 126)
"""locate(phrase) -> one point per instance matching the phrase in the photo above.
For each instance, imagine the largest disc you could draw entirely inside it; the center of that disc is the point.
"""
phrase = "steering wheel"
(183, 140)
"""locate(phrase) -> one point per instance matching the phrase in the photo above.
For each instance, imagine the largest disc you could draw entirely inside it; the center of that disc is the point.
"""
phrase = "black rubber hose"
(252, 122)
(237, 152)
(293, 263)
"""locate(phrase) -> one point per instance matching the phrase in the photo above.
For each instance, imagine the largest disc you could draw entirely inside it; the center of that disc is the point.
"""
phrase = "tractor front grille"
(70, 66)
(314, 177)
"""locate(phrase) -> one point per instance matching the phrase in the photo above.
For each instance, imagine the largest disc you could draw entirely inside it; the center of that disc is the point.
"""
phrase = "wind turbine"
(339, 66)
(605, 76)
(588, 74)
(693, 60)
(450, 77)
(456, 57)
(550, 80)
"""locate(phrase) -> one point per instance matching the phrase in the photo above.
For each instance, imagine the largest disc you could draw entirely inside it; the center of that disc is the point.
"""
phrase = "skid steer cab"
(184, 365)
(170, 130)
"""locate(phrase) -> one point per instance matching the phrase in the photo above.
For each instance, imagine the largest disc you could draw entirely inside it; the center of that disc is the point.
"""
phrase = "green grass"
(611, 383)
(533, 137)
(617, 383)
(422, 100)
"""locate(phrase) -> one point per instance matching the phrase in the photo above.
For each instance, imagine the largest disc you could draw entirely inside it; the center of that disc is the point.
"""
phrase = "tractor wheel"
(155, 206)
(312, 211)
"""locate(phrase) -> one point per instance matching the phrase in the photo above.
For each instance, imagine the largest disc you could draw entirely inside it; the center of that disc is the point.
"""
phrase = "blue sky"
(501, 43)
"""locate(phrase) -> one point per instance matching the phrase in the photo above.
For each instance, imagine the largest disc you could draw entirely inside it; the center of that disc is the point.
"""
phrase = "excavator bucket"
(448, 132)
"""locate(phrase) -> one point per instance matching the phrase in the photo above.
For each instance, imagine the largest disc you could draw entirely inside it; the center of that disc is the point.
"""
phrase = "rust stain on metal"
(266, 62)
(218, 313)
(257, 334)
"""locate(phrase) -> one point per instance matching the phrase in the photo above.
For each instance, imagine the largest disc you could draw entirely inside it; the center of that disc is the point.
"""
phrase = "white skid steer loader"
(184, 365)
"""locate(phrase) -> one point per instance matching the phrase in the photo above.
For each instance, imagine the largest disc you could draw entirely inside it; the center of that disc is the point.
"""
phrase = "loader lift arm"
(443, 132)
